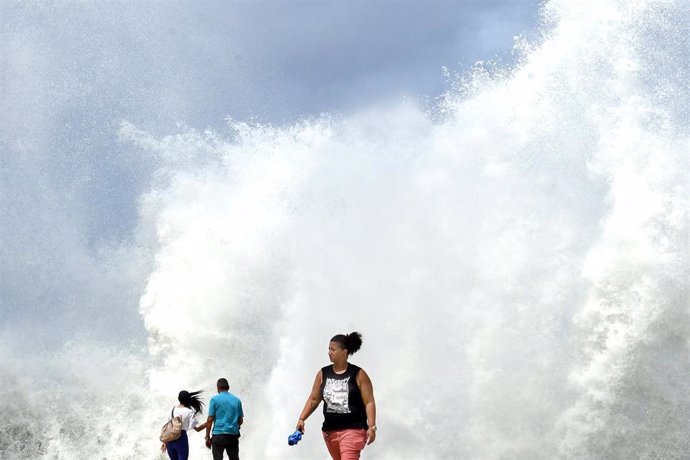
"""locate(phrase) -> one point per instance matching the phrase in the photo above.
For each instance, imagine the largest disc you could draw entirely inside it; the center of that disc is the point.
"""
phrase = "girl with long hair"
(190, 404)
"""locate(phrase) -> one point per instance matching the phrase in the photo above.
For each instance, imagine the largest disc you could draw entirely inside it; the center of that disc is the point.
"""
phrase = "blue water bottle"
(294, 438)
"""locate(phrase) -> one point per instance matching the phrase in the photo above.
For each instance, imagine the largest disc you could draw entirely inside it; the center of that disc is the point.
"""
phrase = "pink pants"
(345, 444)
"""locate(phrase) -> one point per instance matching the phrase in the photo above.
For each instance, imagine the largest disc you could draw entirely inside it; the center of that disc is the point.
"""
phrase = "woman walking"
(190, 405)
(347, 393)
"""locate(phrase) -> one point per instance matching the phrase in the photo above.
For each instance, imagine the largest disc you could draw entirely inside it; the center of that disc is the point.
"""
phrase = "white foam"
(517, 262)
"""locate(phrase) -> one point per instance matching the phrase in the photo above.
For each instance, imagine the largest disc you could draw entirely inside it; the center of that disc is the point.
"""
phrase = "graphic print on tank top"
(335, 395)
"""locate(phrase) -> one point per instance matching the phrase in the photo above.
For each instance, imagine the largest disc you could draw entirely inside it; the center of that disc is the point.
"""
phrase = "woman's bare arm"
(312, 403)
(367, 390)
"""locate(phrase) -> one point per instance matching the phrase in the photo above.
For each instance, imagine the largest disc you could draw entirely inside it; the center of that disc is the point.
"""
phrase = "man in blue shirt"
(225, 416)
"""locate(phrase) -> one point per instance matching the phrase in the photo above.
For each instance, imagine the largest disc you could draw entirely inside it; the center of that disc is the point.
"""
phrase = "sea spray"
(507, 261)
(517, 261)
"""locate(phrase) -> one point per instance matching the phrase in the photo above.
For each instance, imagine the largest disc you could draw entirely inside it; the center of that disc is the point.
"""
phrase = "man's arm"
(209, 424)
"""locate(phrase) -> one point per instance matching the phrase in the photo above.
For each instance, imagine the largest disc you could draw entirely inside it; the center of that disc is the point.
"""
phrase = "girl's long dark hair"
(191, 400)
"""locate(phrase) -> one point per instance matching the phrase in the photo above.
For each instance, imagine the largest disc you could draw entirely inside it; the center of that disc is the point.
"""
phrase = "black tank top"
(342, 401)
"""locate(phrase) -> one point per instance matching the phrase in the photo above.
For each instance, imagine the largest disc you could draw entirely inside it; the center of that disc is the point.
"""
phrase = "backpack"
(172, 430)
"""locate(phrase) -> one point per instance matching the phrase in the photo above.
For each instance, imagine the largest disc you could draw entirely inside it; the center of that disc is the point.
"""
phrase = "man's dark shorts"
(229, 443)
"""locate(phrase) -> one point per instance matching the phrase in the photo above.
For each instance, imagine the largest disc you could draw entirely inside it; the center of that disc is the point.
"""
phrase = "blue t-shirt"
(226, 409)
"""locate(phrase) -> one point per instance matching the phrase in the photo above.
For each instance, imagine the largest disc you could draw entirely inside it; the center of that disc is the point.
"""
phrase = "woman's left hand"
(163, 447)
(371, 435)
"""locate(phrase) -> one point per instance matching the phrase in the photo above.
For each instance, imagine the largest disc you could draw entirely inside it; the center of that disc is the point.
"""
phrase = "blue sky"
(71, 72)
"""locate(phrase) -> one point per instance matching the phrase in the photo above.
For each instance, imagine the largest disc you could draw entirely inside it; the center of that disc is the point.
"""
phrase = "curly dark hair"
(351, 342)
